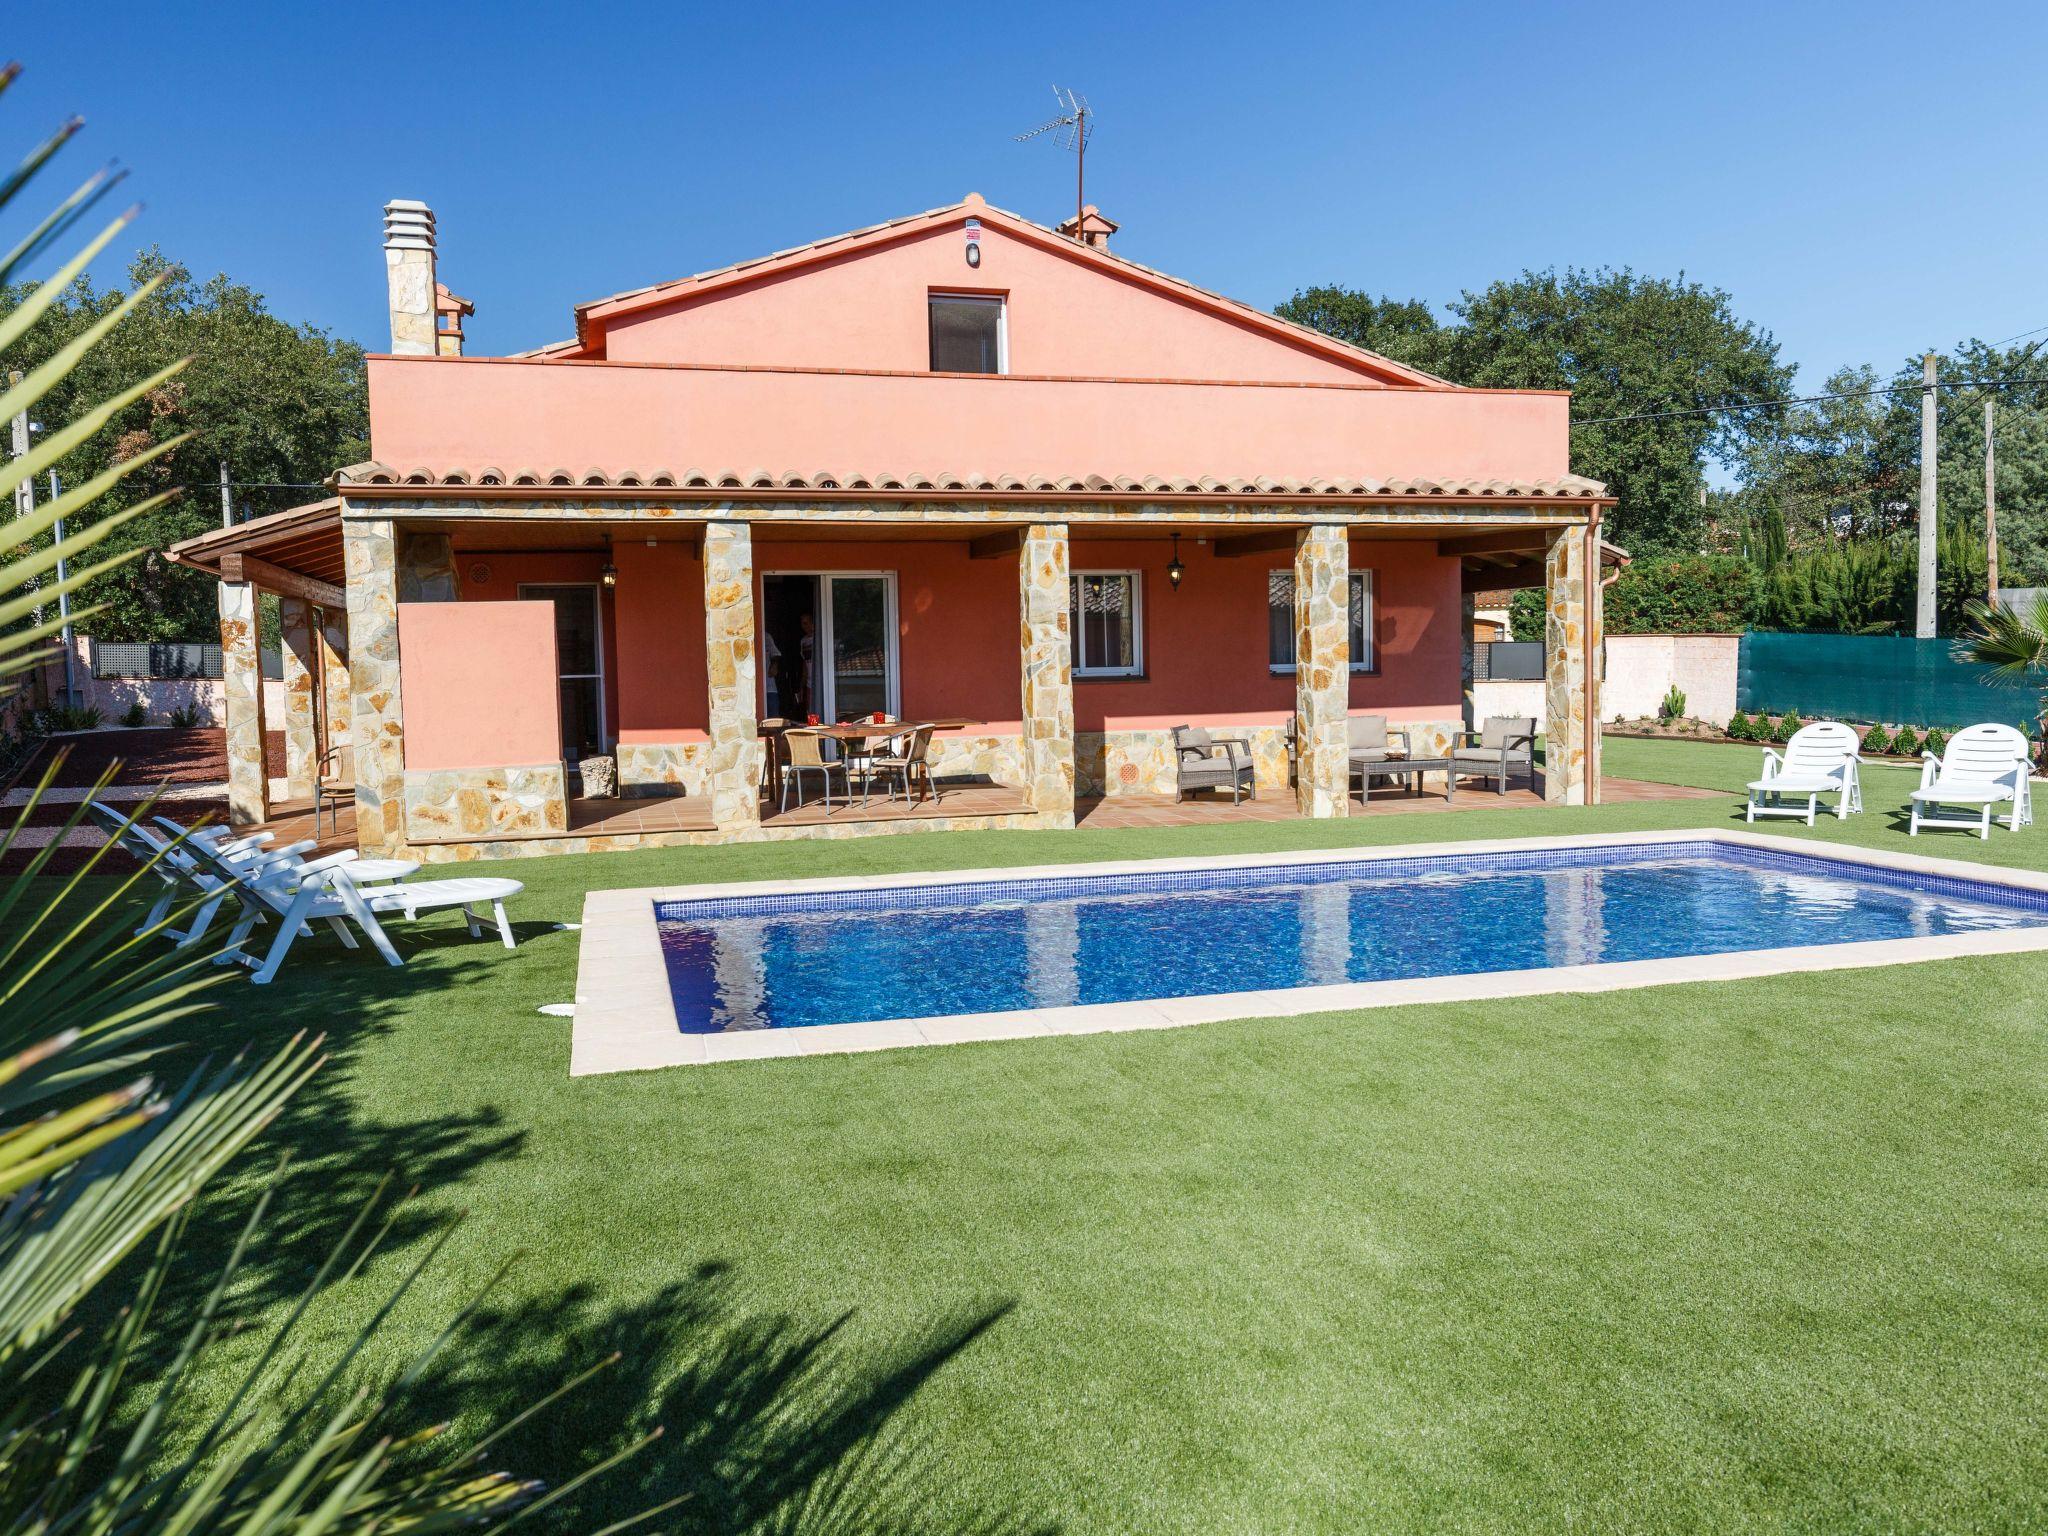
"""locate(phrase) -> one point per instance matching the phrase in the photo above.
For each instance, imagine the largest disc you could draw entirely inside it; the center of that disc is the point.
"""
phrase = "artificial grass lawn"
(1742, 1256)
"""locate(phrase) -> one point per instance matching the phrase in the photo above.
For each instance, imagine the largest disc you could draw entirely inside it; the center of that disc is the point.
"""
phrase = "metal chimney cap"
(408, 225)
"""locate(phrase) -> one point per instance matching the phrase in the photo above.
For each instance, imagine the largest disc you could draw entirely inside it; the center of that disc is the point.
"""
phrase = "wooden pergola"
(297, 556)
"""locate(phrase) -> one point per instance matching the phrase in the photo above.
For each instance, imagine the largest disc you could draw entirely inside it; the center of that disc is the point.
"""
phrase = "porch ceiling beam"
(993, 546)
(1511, 541)
(1496, 578)
(1281, 540)
(275, 578)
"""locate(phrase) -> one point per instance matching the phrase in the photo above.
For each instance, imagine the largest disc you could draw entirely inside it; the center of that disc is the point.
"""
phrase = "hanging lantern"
(1175, 570)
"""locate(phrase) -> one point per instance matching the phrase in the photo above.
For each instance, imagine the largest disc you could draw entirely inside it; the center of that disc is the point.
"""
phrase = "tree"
(1649, 350)
(284, 405)
(1633, 351)
(1837, 468)
(1405, 330)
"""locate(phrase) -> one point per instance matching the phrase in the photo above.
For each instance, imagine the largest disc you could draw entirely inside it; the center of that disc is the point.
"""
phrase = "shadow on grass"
(770, 1424)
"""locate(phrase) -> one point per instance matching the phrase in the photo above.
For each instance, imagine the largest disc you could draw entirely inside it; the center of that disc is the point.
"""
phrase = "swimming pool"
(1320, 926)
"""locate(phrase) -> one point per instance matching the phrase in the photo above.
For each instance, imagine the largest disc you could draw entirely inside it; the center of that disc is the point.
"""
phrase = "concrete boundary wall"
(1639, 670)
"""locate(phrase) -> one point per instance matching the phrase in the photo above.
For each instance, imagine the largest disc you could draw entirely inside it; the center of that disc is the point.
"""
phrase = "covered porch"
(493, 642)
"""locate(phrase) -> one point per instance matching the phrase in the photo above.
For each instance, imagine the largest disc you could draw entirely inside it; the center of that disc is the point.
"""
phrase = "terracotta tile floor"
(294, 821)
(1384, 800)
(291, 821)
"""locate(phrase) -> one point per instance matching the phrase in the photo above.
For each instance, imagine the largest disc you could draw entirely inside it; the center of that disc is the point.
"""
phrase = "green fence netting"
(1890, 678)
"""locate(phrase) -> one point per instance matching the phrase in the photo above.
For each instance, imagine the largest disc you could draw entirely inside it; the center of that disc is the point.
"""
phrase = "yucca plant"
(100, 1160)
(2013, 642)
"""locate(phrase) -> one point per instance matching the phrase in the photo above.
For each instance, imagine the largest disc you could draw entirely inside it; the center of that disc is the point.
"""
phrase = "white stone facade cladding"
(1322, 669)
(241, 672)
(1047, 748)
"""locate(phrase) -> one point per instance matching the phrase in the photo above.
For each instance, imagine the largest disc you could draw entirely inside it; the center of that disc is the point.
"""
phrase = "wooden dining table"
(868, 730)
(852, 734)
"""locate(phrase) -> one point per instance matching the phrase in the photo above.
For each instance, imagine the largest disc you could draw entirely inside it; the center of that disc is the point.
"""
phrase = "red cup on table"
(877, 717)
(810, 719)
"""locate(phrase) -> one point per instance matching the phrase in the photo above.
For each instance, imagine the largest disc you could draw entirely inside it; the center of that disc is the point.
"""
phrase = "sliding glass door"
(860, 646)
(828, 644)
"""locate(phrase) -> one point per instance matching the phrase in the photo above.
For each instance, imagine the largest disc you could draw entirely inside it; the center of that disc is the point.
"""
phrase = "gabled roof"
(974, 206)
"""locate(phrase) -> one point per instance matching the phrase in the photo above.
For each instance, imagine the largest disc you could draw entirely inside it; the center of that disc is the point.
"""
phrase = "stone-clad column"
(377, 713)
(1567, 617)
(335, 712)
(301, 667)
(426, 569)
(1322, 669)
(1047, 657)
(241, 676)
(733, 779)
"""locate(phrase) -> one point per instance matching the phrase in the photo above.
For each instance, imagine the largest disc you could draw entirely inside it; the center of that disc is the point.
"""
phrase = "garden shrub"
(185, 717)
(1526, 615)
(1935, 742)
(1682, 595)
(1738, 727)
(1906, 743)
(1787, 724)
(135, 715)
(1876, 742)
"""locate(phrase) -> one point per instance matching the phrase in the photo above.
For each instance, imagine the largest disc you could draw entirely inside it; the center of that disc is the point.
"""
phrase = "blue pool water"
(752, 962)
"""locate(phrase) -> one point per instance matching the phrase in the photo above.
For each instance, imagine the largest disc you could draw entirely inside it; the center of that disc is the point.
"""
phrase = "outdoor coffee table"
(1413, 768)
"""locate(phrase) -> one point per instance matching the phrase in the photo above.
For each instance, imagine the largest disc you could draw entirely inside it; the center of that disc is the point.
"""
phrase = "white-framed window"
(970, 333)
(1103, 622)
(1280, 620)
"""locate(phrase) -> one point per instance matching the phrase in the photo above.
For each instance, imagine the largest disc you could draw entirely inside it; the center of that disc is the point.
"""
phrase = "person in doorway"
(774, 660)
(807, 655)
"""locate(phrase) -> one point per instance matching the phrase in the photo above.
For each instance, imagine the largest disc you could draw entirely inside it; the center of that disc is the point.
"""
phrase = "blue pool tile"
(773, 961)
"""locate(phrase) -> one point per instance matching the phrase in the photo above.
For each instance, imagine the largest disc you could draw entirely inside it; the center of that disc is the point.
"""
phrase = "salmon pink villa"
(957, 468)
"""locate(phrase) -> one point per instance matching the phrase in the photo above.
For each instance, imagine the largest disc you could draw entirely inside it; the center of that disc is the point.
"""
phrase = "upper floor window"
(1102, 623)
(967, 334)
(1280, 620)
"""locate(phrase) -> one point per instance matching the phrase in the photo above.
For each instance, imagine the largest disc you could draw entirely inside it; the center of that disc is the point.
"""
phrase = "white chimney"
(409, 271)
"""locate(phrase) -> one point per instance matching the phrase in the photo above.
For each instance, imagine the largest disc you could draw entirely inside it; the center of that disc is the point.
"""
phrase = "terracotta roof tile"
(1563, 488)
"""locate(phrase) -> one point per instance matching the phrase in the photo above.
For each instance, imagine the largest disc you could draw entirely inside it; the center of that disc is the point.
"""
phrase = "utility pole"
(227, 507)
(25, 491)
(63, 596)
(1990, 502)
(1923, 621)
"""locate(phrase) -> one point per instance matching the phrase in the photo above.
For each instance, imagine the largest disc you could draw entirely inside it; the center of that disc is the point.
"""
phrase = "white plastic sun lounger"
(1820, 759)
(173, 860)
(1985, 766)
(293, 898)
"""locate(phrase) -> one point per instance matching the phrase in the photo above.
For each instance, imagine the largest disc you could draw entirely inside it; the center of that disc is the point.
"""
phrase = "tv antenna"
(1073, 128)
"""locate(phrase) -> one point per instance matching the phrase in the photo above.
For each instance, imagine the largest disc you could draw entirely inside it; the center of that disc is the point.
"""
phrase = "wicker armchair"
(1203, 761)
(1505, 745)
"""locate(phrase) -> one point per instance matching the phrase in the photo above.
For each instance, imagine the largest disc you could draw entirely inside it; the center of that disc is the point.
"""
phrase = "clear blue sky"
(1865, 179)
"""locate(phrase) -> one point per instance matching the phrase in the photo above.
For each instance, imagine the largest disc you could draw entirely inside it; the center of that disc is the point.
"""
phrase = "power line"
(2023, 335)
(1766, 405)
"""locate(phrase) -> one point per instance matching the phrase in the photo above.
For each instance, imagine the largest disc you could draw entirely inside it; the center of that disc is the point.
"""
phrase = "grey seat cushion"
(1499, 730)
(1366, 733)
